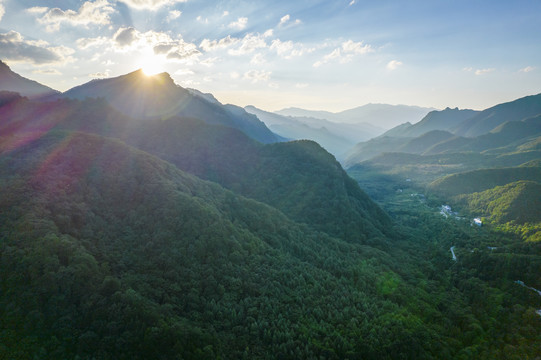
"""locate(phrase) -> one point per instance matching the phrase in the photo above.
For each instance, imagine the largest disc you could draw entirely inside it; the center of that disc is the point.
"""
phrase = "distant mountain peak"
(141, 96)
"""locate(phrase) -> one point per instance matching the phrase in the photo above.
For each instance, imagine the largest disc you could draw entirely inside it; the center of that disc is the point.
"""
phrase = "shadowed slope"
(109, 252)
(11, 81)
(300, 179)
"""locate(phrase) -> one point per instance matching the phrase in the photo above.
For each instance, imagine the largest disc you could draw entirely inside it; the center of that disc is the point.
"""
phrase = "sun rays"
(152, 65)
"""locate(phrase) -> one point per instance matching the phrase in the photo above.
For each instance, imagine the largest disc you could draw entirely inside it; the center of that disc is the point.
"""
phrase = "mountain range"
(510, 124)
(335, 137)
(138, 95)
(139, 220)
(486, 163)
(379, 115)
(206, 148)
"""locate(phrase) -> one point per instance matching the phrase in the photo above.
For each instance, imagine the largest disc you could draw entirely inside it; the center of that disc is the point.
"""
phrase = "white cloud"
(37, 10)
(209, 62)
(284, 19)
(351, 47)
(211, 45)
(100, 75)
(352, 2)
(189, 83)
(150, 4)
(288, 49)
(484, 71)
(234, 75)
(301, 85)
(85, 43)
(527, 69)
(394, 64)
(336, 53)
(14, 47)
(47, 72)
(255, 76)
(225, 13)
(125, 37)
(129, 39)
(178, 50)
(183, 72)
(2, 10)
(173, 14)
(345, 52)
(96, 13)
(281, 47)
(258, 59)
(239, 24)
(250, 43)
(201, 20)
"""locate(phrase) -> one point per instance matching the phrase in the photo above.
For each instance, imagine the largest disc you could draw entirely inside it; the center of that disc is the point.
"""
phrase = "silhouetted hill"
(518, 134)
(397, 131)
(419, 144)
(373, 147)
(141, 96)
(487, 120)
(434, 120)
(387, 144)
(508, 137)
(293, 128)
(381, 115)
(11, 81)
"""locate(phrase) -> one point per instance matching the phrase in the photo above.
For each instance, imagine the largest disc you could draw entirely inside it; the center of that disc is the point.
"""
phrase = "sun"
(152, 65)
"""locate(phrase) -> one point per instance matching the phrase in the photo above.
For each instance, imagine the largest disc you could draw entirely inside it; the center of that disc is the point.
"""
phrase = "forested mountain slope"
(300, 178)
(435, 120)
(172, 238)
(517, 202)
(110, 252)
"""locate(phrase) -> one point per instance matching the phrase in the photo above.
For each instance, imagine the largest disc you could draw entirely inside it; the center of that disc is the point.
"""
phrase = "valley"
(176, 227)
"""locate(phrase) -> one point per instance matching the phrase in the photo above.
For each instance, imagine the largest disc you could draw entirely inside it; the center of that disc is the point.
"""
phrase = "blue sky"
(328, 55)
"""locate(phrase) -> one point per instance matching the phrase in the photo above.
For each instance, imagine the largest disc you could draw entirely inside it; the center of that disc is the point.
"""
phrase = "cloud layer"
(14, 47)
(90, 13)
(150, 4)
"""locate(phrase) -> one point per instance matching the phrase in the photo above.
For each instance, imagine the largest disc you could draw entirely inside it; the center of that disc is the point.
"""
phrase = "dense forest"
(176, 237)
